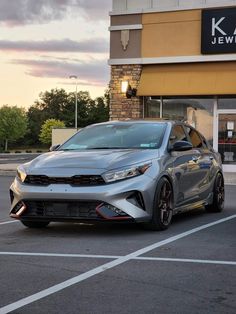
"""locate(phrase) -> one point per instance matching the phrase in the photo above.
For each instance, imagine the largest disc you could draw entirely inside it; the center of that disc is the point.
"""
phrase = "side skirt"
(192, 206)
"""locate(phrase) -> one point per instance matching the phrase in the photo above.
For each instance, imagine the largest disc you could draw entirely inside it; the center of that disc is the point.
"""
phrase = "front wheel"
(218, 195)
(35, 224)
(162, 207)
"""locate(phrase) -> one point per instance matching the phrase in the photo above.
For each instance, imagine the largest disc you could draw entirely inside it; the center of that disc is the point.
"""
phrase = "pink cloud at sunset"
(43, 42)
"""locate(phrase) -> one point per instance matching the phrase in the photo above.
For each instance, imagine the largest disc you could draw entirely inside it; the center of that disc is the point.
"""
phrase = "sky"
(43, 42)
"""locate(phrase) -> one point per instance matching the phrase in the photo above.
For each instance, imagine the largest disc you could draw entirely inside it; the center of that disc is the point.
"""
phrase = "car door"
(185, 169)
(205, 162)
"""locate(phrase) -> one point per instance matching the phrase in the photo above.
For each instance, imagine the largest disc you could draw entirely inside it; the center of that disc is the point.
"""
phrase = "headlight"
(21, 173)
(125, 173)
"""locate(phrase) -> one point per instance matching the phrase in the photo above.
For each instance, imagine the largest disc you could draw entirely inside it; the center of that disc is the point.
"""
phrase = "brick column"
(120, 106)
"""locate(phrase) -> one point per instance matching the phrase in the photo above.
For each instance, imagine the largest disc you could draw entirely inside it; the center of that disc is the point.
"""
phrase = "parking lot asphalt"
(86, 268)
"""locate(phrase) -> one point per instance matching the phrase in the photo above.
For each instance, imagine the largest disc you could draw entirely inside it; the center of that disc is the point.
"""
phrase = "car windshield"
(117, 136)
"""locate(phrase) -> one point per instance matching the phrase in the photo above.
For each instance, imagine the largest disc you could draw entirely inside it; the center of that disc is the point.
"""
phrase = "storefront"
(175, 60)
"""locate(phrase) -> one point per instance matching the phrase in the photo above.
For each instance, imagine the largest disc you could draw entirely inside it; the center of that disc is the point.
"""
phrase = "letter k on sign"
(215, 26)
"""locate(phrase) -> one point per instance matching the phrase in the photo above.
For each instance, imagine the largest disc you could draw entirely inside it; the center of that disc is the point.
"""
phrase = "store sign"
(219, 31)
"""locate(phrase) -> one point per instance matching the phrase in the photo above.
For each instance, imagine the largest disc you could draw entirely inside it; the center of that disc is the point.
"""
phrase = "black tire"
(218, 195)
(35, 224)
(162, 207)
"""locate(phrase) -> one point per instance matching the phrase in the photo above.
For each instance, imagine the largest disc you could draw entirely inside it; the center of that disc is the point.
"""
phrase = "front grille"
(61, 209)
(83, 180)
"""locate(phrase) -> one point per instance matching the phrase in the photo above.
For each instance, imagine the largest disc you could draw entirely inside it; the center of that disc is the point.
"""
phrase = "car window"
(177, 134)
(195, 138)
(204, 142)
(117, 135)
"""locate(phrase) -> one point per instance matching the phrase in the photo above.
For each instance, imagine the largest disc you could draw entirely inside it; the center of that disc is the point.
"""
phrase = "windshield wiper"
(108, 147)
(64, 149)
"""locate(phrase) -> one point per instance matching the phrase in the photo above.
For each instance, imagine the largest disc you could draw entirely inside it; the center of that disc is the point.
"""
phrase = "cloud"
(97, 9)
(88, 73)
(96, 45)
(18, 12)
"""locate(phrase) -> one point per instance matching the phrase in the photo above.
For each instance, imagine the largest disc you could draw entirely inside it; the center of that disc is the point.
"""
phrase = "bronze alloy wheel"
(218, 195)
(164, 204)
(220, 190)
(162, 209)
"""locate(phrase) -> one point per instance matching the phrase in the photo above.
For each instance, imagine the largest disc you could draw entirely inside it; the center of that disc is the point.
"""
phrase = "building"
(177, 59)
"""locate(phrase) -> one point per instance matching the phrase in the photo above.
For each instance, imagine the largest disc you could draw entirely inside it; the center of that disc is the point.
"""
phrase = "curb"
(7, 173)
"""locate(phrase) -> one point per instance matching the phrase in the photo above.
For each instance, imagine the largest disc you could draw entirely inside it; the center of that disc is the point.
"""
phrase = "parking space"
(215, 244)
(29, 274)
(148, 287)
(74, 268)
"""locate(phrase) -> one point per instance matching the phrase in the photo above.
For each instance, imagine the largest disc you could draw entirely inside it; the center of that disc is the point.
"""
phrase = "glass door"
(227, 138)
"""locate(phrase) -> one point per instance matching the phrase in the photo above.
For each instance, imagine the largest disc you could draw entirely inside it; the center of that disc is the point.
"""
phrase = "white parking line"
(104, 267)
(146, 258)
(8, 222)
(185, 260)
(60, 255)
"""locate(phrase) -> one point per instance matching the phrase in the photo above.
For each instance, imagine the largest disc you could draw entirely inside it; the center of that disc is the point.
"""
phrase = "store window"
(152, 107)
(175, 109)
(227, 130)
(227, 138)
(227, 103)
(198, 112)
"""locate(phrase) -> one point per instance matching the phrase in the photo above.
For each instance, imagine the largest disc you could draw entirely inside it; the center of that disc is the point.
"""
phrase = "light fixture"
(128, 90)
(124, 86)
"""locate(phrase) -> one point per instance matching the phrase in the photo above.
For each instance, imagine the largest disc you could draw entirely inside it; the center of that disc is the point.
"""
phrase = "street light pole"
(74, 77)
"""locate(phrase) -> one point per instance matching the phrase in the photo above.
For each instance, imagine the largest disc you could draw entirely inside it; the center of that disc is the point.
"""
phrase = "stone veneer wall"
(120, 106)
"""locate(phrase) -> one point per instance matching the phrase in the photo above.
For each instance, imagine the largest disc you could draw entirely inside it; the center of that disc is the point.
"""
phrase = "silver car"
(123, 171)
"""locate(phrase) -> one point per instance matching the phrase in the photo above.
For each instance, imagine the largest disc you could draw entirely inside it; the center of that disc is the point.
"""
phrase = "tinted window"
(195, 138)
(117, 135)
(177, 134)
(204, 142)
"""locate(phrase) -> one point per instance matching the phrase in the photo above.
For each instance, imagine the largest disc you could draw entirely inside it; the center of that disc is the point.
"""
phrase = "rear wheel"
(162, 207)
(35, 224)
(218, 195)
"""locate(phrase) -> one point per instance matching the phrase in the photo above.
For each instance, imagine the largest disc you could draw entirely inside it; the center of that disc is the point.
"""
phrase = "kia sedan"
(124, 171)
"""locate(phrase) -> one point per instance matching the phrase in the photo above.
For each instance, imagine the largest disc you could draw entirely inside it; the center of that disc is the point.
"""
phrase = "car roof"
(129, 121)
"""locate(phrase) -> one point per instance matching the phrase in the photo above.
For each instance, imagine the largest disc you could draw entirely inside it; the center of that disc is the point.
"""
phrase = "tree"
(59, 105)
(36, 118)
(52, 104)
(98, 111)
(13, 124)
(46, 130)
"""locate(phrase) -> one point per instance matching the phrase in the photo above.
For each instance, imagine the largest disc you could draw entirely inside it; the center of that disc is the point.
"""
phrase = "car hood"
(87, 162)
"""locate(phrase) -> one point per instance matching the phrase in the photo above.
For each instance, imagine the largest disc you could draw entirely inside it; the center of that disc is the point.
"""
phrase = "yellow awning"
(216, 78)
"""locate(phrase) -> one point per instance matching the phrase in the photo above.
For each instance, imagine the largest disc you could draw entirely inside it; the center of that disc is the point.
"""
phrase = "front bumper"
(130, 199)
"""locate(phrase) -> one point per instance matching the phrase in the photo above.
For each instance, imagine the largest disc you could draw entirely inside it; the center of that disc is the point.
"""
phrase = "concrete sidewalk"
(10, 170)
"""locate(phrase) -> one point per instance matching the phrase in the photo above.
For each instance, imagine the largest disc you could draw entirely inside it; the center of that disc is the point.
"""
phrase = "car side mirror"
(54, 147)
(181, 146)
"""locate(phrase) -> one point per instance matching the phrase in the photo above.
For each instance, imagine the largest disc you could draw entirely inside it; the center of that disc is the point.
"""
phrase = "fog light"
(110, 212)
(116, 210)
(18, 210)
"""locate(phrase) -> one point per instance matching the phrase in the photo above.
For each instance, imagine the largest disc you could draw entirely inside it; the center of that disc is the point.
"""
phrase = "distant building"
(178, 59)
(60, 135)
